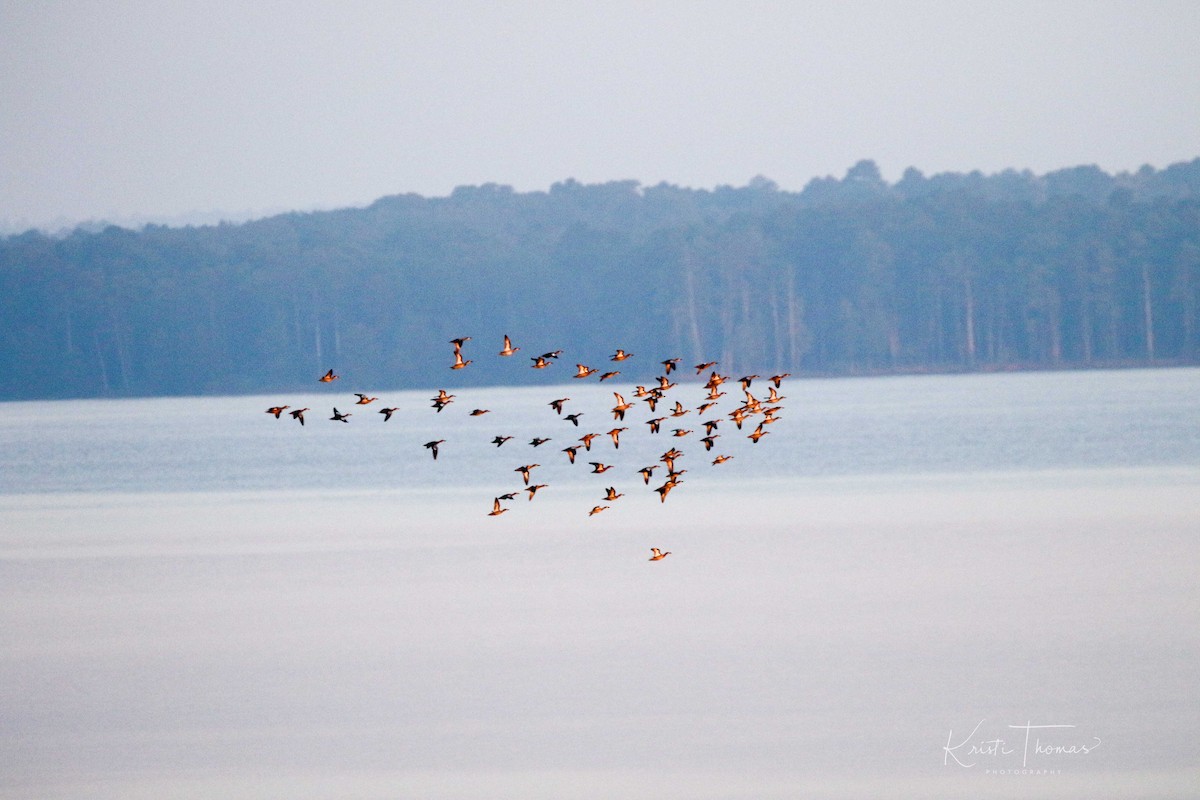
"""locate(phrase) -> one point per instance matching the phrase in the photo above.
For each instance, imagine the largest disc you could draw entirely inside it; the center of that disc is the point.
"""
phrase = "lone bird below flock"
(433, 447)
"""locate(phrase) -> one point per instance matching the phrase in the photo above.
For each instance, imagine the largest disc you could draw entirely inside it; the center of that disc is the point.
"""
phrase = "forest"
(951, 272)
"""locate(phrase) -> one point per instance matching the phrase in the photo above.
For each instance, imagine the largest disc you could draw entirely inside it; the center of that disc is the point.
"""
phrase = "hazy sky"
(149, 109)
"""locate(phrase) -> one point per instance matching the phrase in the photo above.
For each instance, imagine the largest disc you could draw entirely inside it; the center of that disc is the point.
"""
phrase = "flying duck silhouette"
(339, 416)
(433, 447)
(298, 414)
(615, 433)
(534, 489)
(538, 441)
(721, 459)
(479, 412)
(525, 471)
(598, 467)
(571, 451)
(646, 472)
(596, 510)
(539, 362)
(499, 440)
(277, 410)
(387, 413)
(574, 418)
(778, 379)
(605, 376)
(621, 407)
(706, 365)
(670, 364)
(587, 440)
(557, 405)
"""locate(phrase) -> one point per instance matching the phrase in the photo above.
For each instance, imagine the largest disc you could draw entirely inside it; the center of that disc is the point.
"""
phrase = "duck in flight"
(571, 451)
(459, 363)
(363, 399)
(433, 447)
(598, 467)
(497, 509)
(298, 414)
(339, 416)
(328, 377)
(277, 410)
(525, 471)
(557, 405)
(615, 433)
(508, 347)
(582, 371)
(534, 489)
(574, 418)
(611, 493)
(658, 555)
(596, 510)
(621, 355)
(387, 413)
(670, 364)
(499, 440)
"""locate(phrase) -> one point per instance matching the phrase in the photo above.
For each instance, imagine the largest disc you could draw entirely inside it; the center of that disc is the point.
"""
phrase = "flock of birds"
(750, 409)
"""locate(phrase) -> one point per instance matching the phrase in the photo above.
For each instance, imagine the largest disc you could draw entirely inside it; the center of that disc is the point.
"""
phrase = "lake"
(912, 587)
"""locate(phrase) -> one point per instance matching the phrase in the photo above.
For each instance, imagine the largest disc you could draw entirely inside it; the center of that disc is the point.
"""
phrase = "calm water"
(198, 600)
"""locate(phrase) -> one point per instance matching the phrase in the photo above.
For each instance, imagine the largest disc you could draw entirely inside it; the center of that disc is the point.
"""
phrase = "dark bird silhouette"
(459, 342)
(778, 379)
(525, 471)
(339, 416)
(387, 413)
(655, 424)
(538, 441)
(670, 364)
(646, 472)
(615, 433)
(557, 405)
(587, 440)
(709, 441)
(574, 418)
(597, 467)
(605, 376)
(571, 451)
(534, 489)
(499, 440)
(298, 414)
(479, 412)
(277, 410)
(706, 365)
(433, 447)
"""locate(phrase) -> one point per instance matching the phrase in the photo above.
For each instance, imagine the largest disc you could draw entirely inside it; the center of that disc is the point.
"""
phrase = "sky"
(135, 110)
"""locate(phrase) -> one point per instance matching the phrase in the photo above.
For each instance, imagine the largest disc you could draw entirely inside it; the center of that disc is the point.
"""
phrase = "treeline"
(948, 272)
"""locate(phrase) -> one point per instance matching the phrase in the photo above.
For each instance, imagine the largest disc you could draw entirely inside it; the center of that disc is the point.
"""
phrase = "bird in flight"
(499, 440)
(328, 377)
(670, 364)
(387, 413)
(497, 510)
(277, 410)
(479, 412)
(574, 418)
(621, 355)
(525, 471)
(508, 347)
(433, 447)
(571, 451)
(658, 555)
(557, 405)
(459, 363)
(363, 399)
(611, 493)
(582, 371)
(596, 510)
(298, 414)
(339, 416)
(597, 467)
